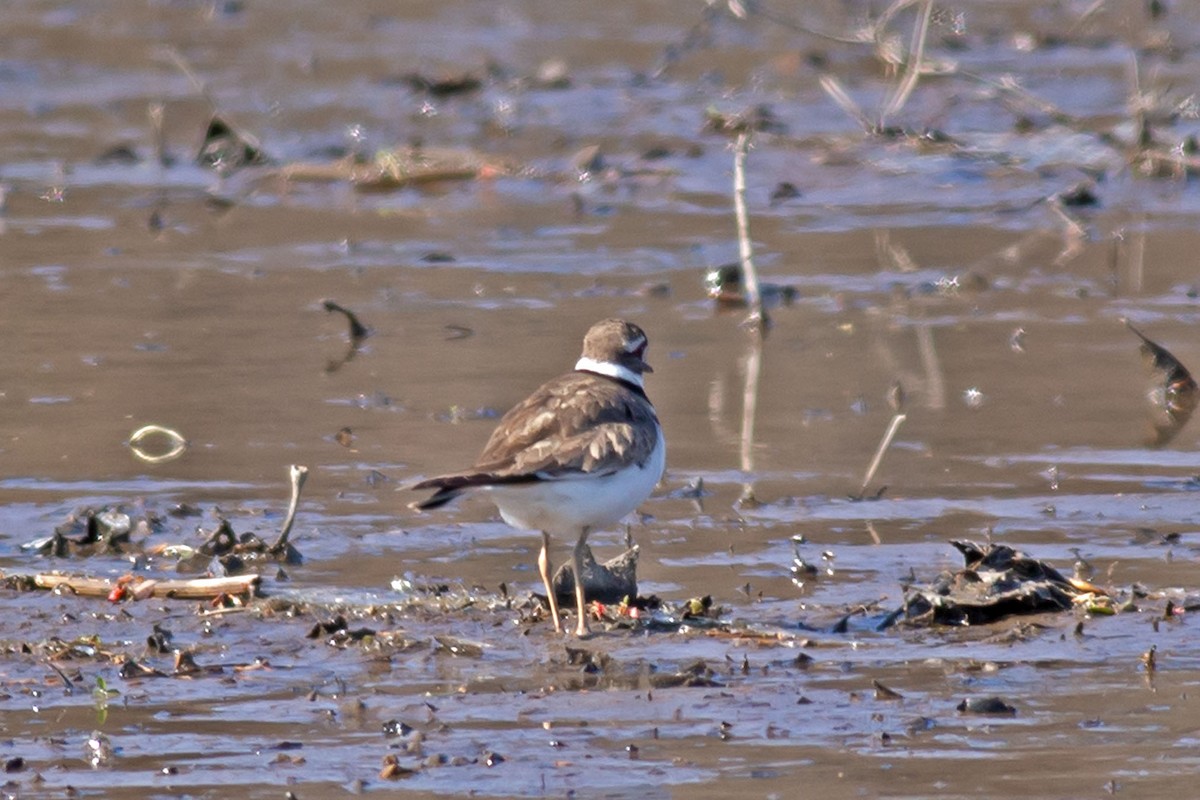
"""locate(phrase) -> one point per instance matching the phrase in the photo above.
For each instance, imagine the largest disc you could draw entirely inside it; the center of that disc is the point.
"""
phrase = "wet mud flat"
(437, 686)
(962, 210)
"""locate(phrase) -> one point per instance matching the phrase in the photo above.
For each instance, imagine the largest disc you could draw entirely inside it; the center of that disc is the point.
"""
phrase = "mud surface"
(949, 248)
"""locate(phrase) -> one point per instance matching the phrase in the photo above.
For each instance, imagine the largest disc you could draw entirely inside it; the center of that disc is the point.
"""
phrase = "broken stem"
(358, 331)
(758, 315)
(298, 475)
(883, 446)
(70, 688)
(912, 72)
(198, 86)
(190, 589)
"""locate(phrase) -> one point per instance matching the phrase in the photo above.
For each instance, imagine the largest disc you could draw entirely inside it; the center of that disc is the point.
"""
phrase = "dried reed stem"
(912, 71)
(758, 316)
(297, 474)
(883, 446)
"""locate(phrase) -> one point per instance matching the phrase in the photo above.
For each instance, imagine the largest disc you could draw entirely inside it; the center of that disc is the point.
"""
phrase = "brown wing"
(578, 423)
(575, 424)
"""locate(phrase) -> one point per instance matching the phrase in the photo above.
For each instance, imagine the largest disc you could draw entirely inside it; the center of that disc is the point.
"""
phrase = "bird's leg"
(544, 569)
(581, 626)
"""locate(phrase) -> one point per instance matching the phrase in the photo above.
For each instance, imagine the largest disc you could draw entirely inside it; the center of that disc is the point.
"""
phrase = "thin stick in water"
(912, 72)
(883, 446)
(298, 475)
(758, 315)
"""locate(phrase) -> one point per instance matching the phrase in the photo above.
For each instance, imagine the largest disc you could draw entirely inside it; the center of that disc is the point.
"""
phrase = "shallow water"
(137, 292)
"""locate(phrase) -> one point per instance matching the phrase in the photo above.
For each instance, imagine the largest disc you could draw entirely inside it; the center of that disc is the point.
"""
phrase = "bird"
(581, 452)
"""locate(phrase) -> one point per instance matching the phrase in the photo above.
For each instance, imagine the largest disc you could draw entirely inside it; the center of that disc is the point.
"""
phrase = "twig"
(837, 93)
(698, 35)
(1010, 88)
(758, 315)
(221, 125)
(1087, 14)
(298, 475)
(883, 446)
(70, 688)
(693, 39)
(913, 62)
(861, 36)
(1074, 234)
(357, 329)
(912, 71)
(198, 86)
(193, 589)
(879, 25)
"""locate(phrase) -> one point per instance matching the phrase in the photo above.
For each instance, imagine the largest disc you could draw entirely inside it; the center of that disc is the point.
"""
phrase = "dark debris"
(997, 582)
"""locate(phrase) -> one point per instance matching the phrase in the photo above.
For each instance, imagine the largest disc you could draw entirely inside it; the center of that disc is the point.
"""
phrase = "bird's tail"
(451, 486)
(447, 488)
(443, 495)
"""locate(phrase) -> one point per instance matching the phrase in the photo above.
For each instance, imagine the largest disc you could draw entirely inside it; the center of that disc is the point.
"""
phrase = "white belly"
(569, 505)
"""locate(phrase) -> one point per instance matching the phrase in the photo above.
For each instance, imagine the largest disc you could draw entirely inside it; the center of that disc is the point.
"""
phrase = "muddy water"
(139, 292)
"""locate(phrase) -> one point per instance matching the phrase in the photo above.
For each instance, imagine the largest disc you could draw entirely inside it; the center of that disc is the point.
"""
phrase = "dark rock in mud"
(446, 85)
(883, 692)
(784, 191)
(227, 148)
(996, 583)
(457, 647)
(759, 118)
(589, 661)
(159, 640)
(392, 769)
(233, 552)
(611, 582)
(1080, 195)
(98, 750)
(330, 626)
(107, 530)
(986, 705)
(696, 674)
(185, 510)
(394, 727)
(118, 155)
(132, 670)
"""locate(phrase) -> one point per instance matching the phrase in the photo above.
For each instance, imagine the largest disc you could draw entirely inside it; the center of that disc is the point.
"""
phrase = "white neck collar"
(588, 364)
